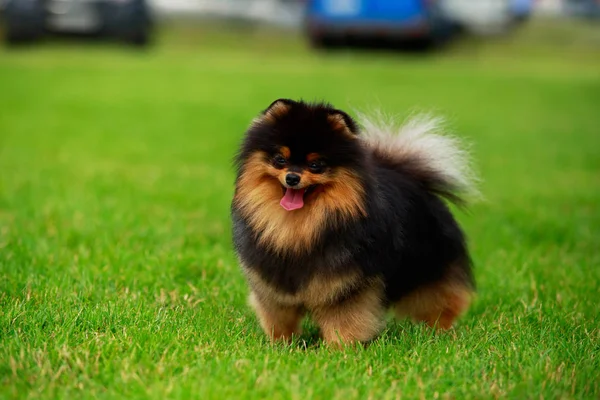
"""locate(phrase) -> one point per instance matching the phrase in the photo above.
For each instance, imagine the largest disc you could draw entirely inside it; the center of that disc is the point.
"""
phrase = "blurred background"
(324, 23)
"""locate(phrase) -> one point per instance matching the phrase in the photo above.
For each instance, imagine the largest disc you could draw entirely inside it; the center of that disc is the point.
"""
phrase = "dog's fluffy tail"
(419, 147)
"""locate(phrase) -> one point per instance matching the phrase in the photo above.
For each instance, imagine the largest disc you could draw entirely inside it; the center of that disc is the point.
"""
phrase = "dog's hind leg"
(438, 305)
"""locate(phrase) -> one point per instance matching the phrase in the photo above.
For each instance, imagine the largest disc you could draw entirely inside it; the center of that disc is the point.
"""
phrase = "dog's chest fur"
(318, 290)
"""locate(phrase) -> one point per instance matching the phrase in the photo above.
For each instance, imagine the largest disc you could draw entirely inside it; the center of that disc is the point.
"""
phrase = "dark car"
(583, 8)
(126, 20)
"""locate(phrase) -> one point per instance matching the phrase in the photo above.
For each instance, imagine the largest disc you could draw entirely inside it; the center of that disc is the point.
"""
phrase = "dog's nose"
(292, 179)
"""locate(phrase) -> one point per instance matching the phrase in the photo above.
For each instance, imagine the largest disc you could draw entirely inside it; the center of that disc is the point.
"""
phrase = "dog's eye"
(279, 160)
(316, 167)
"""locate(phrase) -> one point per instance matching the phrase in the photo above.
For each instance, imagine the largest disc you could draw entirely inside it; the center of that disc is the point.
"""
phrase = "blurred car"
(332, 22)
(127, 20)
(521, 10)
(487, 16)
(583, 8)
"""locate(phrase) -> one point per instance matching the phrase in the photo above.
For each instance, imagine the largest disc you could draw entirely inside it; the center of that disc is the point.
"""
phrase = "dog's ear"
(340, 121)
(277, 109)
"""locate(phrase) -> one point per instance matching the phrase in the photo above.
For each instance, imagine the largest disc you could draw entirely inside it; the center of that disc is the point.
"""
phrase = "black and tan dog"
(344, 226)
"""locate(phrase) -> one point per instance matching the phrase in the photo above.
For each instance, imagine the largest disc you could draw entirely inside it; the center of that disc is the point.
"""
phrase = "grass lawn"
(117, 276)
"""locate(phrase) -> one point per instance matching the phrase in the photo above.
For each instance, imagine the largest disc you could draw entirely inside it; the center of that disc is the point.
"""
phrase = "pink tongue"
(293, 199)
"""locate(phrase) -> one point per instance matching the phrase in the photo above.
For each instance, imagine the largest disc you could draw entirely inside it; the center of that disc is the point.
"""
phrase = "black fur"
(304, 129)
(409, 236)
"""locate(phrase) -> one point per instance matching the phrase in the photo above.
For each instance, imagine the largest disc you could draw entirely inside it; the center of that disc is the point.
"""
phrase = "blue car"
(333, 22)
(521, 9)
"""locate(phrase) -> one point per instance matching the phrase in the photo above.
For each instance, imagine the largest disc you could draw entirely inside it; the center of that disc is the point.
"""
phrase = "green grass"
(117, 276)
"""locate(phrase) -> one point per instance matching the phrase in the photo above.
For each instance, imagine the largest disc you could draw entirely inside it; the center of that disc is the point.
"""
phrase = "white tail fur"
(421, 139)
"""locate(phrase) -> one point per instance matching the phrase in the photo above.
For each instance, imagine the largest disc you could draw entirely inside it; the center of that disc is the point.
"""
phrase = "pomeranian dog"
(345, 225)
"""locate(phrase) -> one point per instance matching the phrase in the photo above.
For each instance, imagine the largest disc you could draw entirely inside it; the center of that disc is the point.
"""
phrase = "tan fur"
(285, 152)
(338, 124)
(438, 305)
(318, 291)
(358, 319)
(276, 111)
(259, 192)
(277, 321)
(312, 157)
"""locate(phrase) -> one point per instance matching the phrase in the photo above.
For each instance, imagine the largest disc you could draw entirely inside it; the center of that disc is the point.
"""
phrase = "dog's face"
(306, 148)
(303, 160)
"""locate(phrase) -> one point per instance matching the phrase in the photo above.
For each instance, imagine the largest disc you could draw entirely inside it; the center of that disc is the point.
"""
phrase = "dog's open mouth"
(293, 199)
